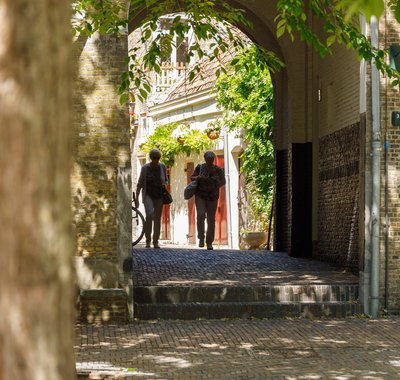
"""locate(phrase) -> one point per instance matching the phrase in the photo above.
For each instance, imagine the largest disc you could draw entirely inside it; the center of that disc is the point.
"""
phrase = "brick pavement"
(356, 348)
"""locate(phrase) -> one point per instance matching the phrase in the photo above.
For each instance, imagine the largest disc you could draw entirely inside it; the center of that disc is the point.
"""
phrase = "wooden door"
(165, 216)
(221, 229)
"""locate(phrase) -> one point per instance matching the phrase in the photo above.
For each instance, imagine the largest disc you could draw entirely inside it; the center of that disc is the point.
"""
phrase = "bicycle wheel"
(137, 226)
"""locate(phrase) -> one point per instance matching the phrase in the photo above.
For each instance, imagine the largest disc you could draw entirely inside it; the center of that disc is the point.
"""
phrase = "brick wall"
(103, 306)
(301, 200)
(101, 187)
(339, 84)
(339, 197)
(282, 212)
(390, 101)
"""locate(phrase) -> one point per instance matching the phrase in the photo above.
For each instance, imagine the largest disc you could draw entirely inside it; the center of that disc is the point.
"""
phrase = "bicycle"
(137, 223)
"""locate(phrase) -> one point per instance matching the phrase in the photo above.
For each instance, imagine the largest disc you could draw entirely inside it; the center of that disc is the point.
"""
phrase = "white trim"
(181, 102)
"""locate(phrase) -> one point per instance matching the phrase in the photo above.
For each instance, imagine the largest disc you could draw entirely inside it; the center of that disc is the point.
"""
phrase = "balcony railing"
(170, 72)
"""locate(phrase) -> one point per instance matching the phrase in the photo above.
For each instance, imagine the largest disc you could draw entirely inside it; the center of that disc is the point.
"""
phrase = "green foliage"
(367, 7)
(340, 26)
(395, 7)
(166, 141)
(196, 141)
(162, 140)
(211, 20)
(247, 100)
(106, 16)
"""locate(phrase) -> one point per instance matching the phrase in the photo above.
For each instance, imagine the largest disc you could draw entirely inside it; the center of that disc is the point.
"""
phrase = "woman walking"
(210, 178)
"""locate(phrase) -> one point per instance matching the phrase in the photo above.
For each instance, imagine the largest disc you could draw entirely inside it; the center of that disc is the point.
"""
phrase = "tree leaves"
(211, 20)
(339, 23)
(367, 7)
(208, 21)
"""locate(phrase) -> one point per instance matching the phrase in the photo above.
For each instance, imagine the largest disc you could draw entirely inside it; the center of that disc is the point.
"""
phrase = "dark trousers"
(206, 209)
(153, 209)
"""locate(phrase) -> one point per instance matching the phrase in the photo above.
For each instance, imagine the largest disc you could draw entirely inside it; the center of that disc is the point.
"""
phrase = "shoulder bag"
(191, 188)
(166, 196)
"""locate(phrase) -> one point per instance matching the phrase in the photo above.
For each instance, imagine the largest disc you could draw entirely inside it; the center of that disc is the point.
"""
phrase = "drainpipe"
(228, 189)
(386, 226)
(375, 174)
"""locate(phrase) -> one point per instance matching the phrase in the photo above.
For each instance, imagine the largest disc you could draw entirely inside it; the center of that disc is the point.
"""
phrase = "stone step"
(240, 310)
(265, 301)
(260, 293)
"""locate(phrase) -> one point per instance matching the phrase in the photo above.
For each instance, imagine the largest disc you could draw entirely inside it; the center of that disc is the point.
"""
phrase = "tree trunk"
(37, 279)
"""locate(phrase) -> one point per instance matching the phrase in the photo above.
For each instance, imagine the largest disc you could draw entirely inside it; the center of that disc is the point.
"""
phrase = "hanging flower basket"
(213, 130)
(213, 135)
(180, 132)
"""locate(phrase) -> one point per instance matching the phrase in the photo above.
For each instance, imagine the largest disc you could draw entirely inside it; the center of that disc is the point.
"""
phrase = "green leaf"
(147, 87)
(143, 93)
(330, 40)
(397, 11)
(123, 98)
(280, 31)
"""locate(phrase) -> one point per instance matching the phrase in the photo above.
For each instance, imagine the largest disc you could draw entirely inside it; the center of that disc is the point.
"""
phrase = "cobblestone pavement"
(355, 348)
(240, 349)
(175, 266)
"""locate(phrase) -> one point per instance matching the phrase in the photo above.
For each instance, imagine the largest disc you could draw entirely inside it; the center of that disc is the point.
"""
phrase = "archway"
(317, 125)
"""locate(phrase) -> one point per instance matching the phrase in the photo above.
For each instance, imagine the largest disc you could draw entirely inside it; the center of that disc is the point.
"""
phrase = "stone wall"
(339, 197)
(101, 183)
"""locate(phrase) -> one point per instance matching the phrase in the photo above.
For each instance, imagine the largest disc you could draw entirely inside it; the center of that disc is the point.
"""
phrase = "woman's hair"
(209, 154)
(154, 152)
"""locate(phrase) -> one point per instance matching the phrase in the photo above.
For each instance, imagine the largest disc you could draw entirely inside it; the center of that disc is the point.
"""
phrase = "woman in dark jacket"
(210, 178)
(152, 179)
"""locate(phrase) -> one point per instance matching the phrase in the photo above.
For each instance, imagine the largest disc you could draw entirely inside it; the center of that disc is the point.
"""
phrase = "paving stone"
(354, 348)
(173, 266)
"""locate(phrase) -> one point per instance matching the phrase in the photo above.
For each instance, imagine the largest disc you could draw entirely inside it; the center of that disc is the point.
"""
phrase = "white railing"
(170, 72)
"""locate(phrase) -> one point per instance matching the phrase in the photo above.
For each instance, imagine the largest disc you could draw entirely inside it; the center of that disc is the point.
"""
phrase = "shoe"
(201, 243)
(147, 244)
(210, 247)
(156, 246)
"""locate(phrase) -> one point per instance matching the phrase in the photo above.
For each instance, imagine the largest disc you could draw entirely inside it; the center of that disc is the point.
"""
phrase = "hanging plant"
(172, 139)
(180, 133)
(213, 129)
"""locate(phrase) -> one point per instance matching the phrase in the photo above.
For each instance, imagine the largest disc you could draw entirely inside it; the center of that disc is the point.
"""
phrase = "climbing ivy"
(247, 100)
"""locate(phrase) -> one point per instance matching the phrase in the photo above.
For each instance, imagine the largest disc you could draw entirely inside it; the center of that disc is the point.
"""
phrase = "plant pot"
(213, 135)
(255, 239)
